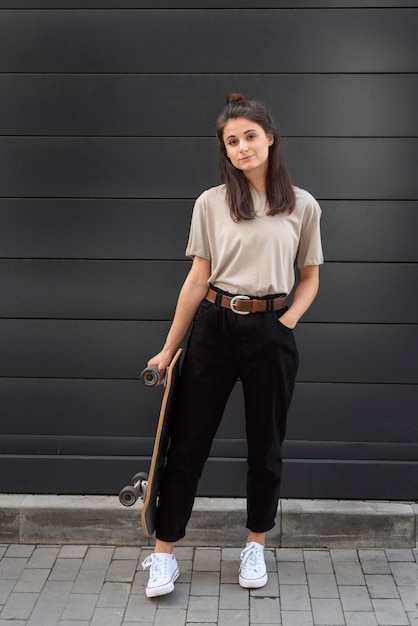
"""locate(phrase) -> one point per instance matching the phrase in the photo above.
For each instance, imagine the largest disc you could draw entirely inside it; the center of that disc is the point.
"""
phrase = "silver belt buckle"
(232, 304)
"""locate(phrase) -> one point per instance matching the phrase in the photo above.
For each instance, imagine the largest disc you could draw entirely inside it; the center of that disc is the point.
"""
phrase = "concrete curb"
(102, 520)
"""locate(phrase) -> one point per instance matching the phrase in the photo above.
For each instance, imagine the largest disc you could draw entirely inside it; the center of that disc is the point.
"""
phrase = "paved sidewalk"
(76, 585)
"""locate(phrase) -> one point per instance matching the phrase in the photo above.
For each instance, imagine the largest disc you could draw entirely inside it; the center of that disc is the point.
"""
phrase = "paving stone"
(140, 609)
(65, 569)
(233, 597)
(270, 559)
(229, 572)
(360, 619)
(271, 589)
(289, 554)
(381, 586)
(174, 617)
(107, 617)
(72, 552)
(237, 617)
(374, 562)
(98, 558)
(19, 606)
(231, 554)
(409, 597)
(322, 586)
(185, 553)
(400, 554)
(80, 607)
(6, 622)
(265, 611)
(128, 553)
(179, 599)
(206, 606)
(114, 595)
(207, 560)
(344, 555)
(32, 580)
(295, 598)
(404, 574)
(89, 581)
(11, 568)
(43, 557)
(327, 612)
(349, 573)
(205, 584)
(122, 571)
(19, 550)
(297, 618)
(292, 573)
(355, 598)
(318, 562)
(45, 616)
(390, 613)
(55, 594)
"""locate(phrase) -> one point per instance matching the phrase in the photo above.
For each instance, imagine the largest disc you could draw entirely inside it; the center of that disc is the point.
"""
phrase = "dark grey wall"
(107, 114)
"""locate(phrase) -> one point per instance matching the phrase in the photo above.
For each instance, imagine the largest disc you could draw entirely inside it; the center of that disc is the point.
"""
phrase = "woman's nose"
(243, 146)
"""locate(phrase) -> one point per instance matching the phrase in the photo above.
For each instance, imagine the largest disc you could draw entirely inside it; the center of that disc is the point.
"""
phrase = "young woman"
(246, 238)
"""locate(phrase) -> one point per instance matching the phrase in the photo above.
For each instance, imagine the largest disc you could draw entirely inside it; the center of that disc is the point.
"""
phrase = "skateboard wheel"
(139, 477)
(128, 496)
(149, 376)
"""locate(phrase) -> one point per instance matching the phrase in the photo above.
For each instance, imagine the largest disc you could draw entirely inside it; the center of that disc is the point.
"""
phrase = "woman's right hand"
(161, 361)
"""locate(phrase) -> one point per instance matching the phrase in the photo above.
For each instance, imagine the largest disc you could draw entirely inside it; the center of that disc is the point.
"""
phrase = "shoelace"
(158, 566)
(251, 557)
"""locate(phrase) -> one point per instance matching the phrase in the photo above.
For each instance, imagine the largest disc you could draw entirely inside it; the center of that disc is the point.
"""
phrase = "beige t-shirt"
(255, 257)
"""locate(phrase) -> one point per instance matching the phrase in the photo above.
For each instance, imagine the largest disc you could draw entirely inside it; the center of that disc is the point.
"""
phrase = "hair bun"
(234, 98)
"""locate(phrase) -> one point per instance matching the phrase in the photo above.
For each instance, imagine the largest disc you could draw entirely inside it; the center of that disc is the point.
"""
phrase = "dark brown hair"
(279, 188)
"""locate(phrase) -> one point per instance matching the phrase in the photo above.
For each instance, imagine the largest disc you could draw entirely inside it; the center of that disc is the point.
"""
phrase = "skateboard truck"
(137, 489)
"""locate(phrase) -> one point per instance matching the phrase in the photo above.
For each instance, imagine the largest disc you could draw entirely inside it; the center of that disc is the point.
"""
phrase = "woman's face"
(247, 145)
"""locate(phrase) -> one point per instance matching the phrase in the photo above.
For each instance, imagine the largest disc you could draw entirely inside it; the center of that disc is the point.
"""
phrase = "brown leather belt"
(242, 305)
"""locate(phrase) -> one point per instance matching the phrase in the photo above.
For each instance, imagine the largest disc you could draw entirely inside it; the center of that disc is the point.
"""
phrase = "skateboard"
(147, 486)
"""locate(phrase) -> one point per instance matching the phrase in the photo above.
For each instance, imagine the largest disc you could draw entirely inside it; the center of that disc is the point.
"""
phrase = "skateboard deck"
(147, 487)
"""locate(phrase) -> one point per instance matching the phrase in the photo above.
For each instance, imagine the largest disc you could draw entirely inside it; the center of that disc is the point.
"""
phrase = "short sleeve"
(198, 243)
(310, 245)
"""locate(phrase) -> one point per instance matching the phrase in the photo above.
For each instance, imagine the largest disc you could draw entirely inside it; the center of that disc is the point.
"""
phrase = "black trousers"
(223, 346)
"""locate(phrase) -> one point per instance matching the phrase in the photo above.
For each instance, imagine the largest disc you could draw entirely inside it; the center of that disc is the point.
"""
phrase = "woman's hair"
(279, 188)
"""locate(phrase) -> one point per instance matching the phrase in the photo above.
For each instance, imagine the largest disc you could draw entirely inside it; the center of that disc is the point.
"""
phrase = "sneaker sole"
(249, 583)
(162, 590)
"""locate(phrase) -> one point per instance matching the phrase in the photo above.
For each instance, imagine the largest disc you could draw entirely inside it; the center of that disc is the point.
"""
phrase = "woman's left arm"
(304, 295)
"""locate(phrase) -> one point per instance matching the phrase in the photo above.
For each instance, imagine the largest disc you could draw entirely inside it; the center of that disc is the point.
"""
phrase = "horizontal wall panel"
(130, 41)
(148, 290)
(373, 353)
(366, 292)
(53, 445)
(155, 167)
(369, 231)
(199, 4)
(86, 409)
(355, 412)
(79, 408)
(91, 289)
(95, 229)
(371, 105)
(304, 478)
(157, 229)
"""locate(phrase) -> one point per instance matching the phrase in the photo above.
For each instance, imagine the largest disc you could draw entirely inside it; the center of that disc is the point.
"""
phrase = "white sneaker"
(253, 572)
(163, 574)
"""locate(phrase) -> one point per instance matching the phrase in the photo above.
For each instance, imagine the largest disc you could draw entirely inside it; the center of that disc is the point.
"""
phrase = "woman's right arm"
(193, 291)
